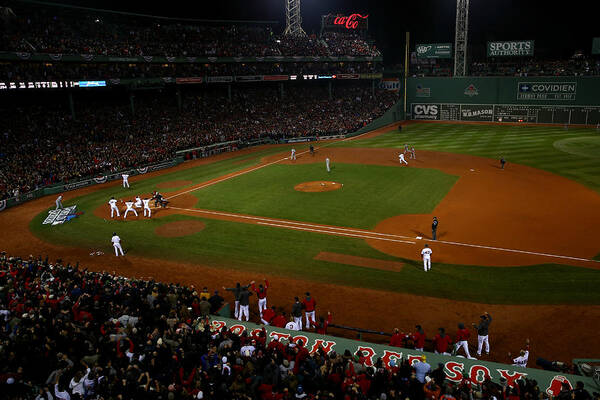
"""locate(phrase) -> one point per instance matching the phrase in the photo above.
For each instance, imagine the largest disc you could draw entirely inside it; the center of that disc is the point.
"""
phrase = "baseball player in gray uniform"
(236, 295)
(482, 332)
(59, 205)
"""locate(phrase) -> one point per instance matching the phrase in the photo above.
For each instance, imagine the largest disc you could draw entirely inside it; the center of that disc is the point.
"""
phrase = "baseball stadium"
(258, 200)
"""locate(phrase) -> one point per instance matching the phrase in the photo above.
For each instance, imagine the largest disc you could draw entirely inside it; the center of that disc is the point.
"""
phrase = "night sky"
(557, 28)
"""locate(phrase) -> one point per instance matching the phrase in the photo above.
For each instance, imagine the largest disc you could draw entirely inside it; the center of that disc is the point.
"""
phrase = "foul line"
(340, 231)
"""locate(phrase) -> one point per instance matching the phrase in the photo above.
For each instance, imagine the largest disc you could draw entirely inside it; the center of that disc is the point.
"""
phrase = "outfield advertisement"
(547, 114)
(455, 368)
(511, 48)
(546, 90)
(434, 50)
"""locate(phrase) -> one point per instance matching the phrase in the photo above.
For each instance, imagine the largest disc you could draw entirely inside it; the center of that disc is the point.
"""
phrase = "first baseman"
(116, 241)
(426, 254)
(113, 207)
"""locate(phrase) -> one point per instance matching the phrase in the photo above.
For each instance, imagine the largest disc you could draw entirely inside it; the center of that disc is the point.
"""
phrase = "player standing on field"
(293, 156)
(401, 159)
(261, 293)
(327, 164)
(297, 312)
(125, 180)
(58, 202)
(129, 205)
(309, 304)
(482, 332)
(113, 207)
(426, 254)
(147, 209)
(236, 295)
(462, 337)
(116, 242)
(502, 162)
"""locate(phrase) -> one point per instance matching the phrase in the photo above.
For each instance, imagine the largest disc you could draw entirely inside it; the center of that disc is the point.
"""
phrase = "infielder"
(147, 209)
(116, 241)
(293, 156)
(138, 202)
(426, 254)
(125, 180)
(129, 205)
(401, 159)
(434, 226)
(482, 333)
(59, 205)
(113, 207)
(327, 164)
(413, 155)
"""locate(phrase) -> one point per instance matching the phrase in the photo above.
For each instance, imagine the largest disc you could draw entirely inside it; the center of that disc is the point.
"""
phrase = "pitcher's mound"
(318, 186)
(179, 228)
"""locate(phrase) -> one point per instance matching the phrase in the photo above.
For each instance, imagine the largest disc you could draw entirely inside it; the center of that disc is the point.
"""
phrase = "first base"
(419, 237)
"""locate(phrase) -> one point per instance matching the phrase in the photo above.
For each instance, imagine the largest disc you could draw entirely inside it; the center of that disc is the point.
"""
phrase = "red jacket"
(262, 294)
(279, 321)
(462, 334)
(309, 304)
(268, 315)
(397, 339)
(322, 329)
(419, 339)
(441, 343)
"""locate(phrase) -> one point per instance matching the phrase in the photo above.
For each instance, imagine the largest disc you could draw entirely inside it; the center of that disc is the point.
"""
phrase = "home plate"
(419, 238)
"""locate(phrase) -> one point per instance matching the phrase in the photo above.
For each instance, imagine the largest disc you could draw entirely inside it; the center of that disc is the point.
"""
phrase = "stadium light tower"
(293, 19)
(460, 38)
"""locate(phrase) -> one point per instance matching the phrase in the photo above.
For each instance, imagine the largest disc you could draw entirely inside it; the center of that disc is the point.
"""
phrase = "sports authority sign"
(546, 91)
(434, 50)
(455, 369)
(510, 48)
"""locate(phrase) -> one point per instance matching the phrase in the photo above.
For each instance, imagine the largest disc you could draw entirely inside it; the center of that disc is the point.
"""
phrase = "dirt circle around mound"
(318, 186)
(179, 228)
(173, 184)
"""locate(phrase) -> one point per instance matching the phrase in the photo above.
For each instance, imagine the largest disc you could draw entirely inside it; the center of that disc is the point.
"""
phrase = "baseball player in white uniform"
(413, 154)
(125, 180)
(401, 159)
(293, 156)
(138, 202)
(426, 254)
(59, 202)
(129, 205)
(147, 209)
(521, 361)
(327, 164)
(116, 241)
(113, 207)
(292, 326)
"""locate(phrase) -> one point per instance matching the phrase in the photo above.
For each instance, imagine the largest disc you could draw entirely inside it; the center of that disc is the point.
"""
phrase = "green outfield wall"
(455, 367)
(558, 100)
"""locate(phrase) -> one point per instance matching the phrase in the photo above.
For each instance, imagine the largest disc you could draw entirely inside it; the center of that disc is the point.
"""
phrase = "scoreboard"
(541, 114)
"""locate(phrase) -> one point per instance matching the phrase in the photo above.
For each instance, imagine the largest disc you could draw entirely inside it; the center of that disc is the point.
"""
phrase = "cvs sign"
(426, 111)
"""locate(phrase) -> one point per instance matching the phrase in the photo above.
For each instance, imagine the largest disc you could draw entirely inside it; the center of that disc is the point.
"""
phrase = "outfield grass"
(573, 153)
(371, 193)
(290, 253)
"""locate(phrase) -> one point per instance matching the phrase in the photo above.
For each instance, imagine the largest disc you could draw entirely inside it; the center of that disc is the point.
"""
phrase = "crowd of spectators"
(513, 67)
(39, 29)
(42, 145)
(70, 333)
(32, 71)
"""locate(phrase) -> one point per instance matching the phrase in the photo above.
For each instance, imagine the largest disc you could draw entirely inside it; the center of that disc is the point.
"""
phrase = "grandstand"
(207, 111)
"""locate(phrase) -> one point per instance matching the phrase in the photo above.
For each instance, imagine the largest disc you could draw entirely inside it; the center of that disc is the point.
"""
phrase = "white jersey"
(125, 177)
(146, 203)
(327, 161)
(129, 205)
(401, 157)
(116, 239)
(521, 361)
(138, 201)
(293, 151)
(292, 326)
(113, 203)
(426, 253)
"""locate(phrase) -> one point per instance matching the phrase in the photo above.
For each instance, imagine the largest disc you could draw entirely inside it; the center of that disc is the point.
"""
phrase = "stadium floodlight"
(460, 38)
(293, 19)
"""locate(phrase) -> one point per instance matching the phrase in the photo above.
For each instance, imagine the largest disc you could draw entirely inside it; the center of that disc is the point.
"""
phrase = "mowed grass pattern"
(527, 145)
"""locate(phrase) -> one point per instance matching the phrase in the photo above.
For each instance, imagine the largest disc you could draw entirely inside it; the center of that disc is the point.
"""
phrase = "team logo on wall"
(147, 58)
(471, 91)
(55, 57)
(87, 57)
(423, 91)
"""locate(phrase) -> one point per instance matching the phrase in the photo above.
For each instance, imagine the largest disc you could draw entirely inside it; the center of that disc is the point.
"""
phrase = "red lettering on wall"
(326, 345)
(350, 22)
(479, 373)
(511, 379)
(389, 356)
(454, 371)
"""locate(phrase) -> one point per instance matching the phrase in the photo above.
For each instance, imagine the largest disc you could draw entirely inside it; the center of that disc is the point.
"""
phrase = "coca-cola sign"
(352, 21)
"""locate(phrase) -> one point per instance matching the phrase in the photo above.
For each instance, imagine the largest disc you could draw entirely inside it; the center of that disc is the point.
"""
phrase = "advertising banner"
(392, 84)
(249, 78)
(455, 368)
(546, 90)
(182, 81)
(434, 50)
(273, 78)
(476, 112)
(348, 76)
(426, 111)
(219, 79)
(510, 48)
